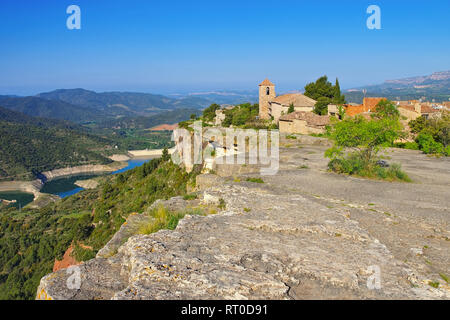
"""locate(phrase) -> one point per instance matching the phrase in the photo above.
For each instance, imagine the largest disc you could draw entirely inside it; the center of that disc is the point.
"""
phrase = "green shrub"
(83, 254)
(191, 196)
(291, 108)
(222, 205)
(366, 138)
(165, 219)
(407, 145)
(428, 145)
(434, 284)
(210, 112)
(447, 151)
(255, 180)
(352, 164)
(437, 128)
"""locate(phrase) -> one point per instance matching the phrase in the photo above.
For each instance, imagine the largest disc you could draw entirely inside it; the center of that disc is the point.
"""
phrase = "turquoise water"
(132, 164)
(22, 198)
(65, 187)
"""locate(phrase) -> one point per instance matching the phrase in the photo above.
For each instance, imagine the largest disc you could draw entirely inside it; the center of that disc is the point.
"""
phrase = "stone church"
(272, 106)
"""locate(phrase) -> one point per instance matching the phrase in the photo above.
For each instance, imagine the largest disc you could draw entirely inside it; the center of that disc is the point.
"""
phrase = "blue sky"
(180, 46)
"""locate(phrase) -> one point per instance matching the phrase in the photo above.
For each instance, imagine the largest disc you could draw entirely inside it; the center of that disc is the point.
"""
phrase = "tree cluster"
(324, 93)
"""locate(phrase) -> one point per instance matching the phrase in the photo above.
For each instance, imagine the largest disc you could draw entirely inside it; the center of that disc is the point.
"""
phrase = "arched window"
(267, 91)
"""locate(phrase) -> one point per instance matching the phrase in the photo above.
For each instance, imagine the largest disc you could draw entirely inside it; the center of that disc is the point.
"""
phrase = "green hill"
(173, 116)
(432, 87)
(31, 239)
(34, 145)
(84, 106)
(53, 109)
(123, 103)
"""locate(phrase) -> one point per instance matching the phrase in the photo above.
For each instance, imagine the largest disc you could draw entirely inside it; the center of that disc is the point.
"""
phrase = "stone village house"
(302, 120)
(272, 106)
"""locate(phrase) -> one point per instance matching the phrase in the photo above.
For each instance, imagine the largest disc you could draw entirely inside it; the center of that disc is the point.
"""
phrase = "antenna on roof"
(364, 91)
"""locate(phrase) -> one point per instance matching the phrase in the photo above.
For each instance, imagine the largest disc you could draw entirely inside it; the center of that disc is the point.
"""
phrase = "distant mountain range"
(225, 97)
(435, 86)
(119, 103)
(80, 105)
(54, 109)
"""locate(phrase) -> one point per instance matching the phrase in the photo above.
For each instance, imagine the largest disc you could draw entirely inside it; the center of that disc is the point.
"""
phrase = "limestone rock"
(285, 247)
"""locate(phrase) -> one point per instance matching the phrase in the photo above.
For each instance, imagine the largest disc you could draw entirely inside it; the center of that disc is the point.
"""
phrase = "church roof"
(297, 99)
(266, 82)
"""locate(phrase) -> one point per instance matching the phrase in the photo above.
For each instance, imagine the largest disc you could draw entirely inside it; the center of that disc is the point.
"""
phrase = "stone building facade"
(272, 106)
(303, 122)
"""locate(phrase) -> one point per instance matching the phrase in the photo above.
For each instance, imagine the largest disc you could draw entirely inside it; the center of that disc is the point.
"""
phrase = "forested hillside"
(34, 145)
(170, 117)
(52, 109)
(30, 239)
(123, 103)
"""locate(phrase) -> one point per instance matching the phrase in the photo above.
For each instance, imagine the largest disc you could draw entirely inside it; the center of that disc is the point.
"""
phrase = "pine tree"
(338, 97)
(165, 155)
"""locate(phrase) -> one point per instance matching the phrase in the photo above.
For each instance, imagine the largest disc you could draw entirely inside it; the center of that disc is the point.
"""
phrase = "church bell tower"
(266, 94)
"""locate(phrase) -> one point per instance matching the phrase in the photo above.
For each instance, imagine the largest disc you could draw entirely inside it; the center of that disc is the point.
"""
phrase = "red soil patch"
(165, 126)
(66, 261)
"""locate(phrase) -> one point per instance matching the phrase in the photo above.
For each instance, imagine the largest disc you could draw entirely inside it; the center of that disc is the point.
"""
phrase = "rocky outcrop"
(87, 169)
(303, 233)
(119, 157)
(148, 152)
(25, 186)
(265, 244)
(134, 221)
(87, 184)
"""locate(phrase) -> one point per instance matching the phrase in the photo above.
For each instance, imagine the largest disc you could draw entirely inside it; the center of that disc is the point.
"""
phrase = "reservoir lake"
(64, 186)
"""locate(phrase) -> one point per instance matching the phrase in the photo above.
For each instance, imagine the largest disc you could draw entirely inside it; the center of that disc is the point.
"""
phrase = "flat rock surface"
(302, 234)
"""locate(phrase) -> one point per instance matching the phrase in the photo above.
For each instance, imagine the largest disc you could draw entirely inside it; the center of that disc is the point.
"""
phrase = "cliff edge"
(301, 234)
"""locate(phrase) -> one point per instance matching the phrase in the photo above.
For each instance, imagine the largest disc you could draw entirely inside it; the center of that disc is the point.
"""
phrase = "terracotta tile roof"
(297, 99)
(407, 107)
(266, 82)
(370, 103)
(311, 118)
(427, 109)
(423, 108)
(352, 110)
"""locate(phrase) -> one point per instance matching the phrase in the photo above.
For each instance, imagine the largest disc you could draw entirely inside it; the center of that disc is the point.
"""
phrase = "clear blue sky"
(178, 46)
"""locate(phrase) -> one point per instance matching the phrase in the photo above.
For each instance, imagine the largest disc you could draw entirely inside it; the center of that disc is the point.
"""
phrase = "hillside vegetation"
(31, 240)
(30, 145)
(53, 109)
(128, 104)
(169, 117)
